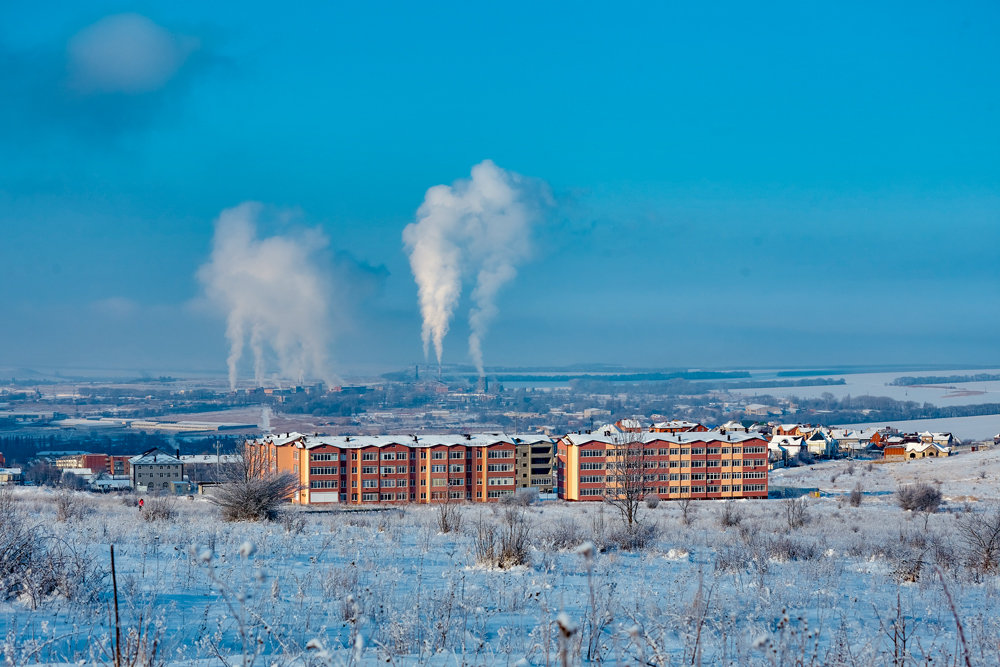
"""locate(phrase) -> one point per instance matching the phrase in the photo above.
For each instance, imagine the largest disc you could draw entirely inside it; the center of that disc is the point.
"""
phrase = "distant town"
(109, 435)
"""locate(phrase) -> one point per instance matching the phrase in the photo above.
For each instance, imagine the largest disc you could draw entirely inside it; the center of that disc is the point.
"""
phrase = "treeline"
(829, 410)
(909, 381)
(19, 449)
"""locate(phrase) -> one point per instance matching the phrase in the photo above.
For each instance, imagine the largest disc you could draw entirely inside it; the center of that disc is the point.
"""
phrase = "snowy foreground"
(865, 585)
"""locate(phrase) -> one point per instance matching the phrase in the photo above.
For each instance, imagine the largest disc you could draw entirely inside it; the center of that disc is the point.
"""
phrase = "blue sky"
(810, 183)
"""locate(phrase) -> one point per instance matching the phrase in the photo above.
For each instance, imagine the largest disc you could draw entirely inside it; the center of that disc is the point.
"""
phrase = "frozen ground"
(852, 586)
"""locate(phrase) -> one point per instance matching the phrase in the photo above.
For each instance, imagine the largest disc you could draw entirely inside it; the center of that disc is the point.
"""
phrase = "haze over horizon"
(725, 186)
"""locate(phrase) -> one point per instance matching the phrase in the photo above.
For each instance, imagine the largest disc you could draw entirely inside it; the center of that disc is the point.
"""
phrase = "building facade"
(155, 471)
(394, 468)
(695, 465)
(535, 456)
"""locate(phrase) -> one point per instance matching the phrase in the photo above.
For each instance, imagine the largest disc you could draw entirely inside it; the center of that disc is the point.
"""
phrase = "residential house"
(678, 426)
(156, 471)
(821, 445)
(11, 476)
(785, 447)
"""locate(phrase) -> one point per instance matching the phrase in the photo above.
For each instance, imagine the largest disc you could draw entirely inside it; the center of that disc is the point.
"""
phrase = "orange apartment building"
(395, 468)
(696, 464)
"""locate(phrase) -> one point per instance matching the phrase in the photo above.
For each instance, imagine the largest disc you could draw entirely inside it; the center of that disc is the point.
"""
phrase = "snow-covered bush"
(159, 508)
(919, 498)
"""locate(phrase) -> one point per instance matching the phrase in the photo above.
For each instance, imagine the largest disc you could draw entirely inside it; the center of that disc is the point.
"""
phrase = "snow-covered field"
(852, 586)
(877, 384)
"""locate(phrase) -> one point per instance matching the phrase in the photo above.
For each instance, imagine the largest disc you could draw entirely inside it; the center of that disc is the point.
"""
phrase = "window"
(499, 493)
(457, 454)
(592, 479)
(456, 481)
(321, 457)
(388, 483)
(583, 492)
(439, 482)
(437, 455)
(369, 483)
(500, 454)
(500, 467)
(592, 465)
(369, 456)
(369, 497)
(500, 481)
(439, 468)
(387, 496)
(456, 467)
(323, 470)
(388, 470)
(593, 452)
(369, 470)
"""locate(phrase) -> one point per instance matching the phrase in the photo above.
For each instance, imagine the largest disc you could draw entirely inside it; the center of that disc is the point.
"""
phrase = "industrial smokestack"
(479, 227)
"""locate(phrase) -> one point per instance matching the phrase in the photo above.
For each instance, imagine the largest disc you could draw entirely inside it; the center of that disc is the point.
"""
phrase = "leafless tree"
(980, 535)
(251, 489)
(627, 483)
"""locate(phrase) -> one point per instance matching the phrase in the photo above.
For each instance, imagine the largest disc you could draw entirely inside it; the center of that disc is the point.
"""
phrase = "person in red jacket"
(141, 503)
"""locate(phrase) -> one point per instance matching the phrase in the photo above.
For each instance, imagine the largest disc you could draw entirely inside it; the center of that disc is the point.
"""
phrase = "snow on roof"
(153, 456)
(10, 471)
(675, 423)
(645, 437)
(424, 440)
(786, 441)
(924, 446)
(210, 458)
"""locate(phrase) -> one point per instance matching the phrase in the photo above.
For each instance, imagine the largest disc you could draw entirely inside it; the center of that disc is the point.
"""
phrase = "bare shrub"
(784, 548)
(796, 513)
(857, 494)
(564, 533)
(635, 537)
(687, 511)
(523, 497)
(449, 517)
(979, 535)
(730, 515)
(506, 545)
(919, 498)
(652, 500)
(34, 565)
(69, 506)
(159, 508)
(850, 468)
(292, 521)
(251, 491)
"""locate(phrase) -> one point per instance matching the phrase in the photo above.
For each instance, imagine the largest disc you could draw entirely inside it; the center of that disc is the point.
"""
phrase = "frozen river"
(877, 384)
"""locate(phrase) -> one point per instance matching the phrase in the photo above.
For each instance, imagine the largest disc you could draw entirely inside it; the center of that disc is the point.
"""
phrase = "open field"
(850, 586)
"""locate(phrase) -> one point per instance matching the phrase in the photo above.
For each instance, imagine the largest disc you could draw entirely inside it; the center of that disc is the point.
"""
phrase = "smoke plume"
(275, 292)
(480, 229)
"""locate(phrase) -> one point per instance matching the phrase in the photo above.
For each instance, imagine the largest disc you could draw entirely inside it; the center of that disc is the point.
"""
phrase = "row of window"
(404, 456)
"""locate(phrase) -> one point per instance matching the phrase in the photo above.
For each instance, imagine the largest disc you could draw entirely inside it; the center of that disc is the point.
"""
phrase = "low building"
(784, 447)
(11, 476)
(678, 426)
(156, 471)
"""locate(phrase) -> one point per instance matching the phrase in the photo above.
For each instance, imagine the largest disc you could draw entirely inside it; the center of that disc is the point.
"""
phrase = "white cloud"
(125, 53)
